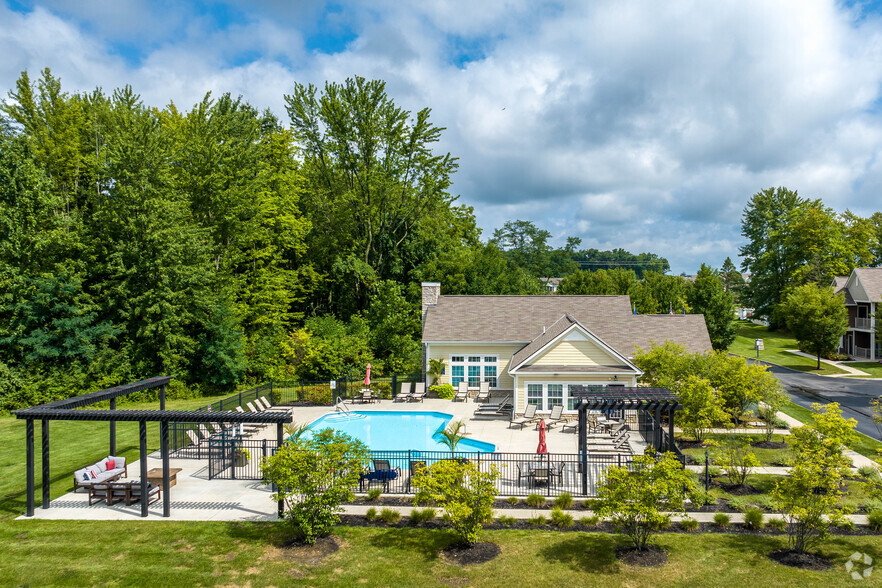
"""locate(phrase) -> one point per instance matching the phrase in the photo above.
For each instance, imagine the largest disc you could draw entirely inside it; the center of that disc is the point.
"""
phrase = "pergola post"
(163, 444)
(658, 427)
(142, 436)
(583, 445)
(162, 398)
(113, 429)
(29, 443)
(671, 410)
(279, 441)
(47, 480)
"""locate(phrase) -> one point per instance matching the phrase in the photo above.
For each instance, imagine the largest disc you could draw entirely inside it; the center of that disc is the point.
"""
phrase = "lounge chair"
(463, 392)
(555, 417)
(404, 395)
(268, 407)
(620, 446)
(251, 407)
(573, 424)
(419, 392)
(529, 417)
(483, 392)
(203, 430)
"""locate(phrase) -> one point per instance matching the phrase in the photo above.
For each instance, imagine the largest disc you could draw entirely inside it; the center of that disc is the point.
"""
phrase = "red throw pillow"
(110, 463)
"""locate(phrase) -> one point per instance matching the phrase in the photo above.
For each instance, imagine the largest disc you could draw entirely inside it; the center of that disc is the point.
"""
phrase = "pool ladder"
(340, 407)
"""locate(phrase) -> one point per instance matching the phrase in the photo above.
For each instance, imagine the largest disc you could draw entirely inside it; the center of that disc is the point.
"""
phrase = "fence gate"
(221, 456)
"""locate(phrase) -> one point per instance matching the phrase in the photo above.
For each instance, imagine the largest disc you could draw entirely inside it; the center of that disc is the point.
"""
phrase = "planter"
(240, 460)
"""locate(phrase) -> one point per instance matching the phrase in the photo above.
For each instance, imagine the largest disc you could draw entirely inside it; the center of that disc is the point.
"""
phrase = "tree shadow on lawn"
(594, 553)
(425, 542)
(837, 548)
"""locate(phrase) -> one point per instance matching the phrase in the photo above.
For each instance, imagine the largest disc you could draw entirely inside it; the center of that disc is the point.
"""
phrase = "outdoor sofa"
(109, 469)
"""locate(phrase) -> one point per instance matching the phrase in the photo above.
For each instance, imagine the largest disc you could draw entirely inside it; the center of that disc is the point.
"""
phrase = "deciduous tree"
(817, 317)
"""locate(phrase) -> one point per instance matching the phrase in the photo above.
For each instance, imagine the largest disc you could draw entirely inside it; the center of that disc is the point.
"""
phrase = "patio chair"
(463, 392)
(571, 425)
(404, 395)
(523, 472)
(382, 472)
(540, 476)
(555, 417)
(413, 467)
(617, 431)
(483, 392)
(529, 417)
(557, 472)
(419, 392)
(130, 492)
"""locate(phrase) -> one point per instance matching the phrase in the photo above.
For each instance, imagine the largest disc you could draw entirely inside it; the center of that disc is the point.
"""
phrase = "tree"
(817, 317)
(314, 476)
(733, 281)
(452, 435)
(810, 496)
(764, 256)
(641, 499)
(876, 403)
(702, 410)
(708, 296)
(464, 492)
(394, 328)
(436, 368)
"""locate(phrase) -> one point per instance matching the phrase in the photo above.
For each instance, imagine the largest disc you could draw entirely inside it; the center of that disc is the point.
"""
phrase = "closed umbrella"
(367, 376)
(542, 447)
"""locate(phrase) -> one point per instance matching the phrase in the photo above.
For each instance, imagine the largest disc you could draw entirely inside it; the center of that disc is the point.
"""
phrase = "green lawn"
(40, 553)
(72, 445)
(872, 368)
(766, 457)
(775, 345)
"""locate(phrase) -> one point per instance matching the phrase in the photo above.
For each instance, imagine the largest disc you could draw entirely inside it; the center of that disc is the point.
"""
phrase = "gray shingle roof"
(871, 280)
(555, 330)
(522, 319)
(839, 286)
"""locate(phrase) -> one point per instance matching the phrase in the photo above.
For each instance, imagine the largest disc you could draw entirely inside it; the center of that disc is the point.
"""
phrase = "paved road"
(853, 395)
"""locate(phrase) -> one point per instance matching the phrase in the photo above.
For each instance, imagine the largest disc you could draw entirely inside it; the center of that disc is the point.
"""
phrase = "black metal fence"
(392, 471)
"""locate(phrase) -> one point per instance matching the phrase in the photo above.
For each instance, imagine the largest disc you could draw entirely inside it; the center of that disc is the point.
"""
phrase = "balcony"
(861, 323)
(861, 352)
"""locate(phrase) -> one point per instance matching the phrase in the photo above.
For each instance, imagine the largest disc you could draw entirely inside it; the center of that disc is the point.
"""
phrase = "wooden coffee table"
(154, 476)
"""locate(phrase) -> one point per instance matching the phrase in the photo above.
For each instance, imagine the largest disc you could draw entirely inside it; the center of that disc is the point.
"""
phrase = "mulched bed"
(684, 444)
(311, 554)
(470, 554)
(652, 556)
(803, 561)
(769, 445)
(734, 489)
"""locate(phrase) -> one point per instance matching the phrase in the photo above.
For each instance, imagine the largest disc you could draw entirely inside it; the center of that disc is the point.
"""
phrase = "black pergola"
(652, 402)
(72, 409)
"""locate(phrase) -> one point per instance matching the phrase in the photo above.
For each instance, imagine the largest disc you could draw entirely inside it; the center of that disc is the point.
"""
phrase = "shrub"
(777, 524)
(689, 524)
(382, 389)
(561, 519)
(464, 492)
(589, 504)
(535, 501)
(314, 476)
(753, 518)
(875, 520)
(537, 521)
(389, 516)
(371, 514)
(565, 500)
(506, 521)
(638, 500)
(513, 500)
(418, 516)
(591, 521)
(722, 520)
(869, 473)
(737, 459)
(317, 394)
(444, 391)
(374, 494)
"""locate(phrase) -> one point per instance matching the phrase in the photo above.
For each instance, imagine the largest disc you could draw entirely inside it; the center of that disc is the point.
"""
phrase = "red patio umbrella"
(542, 447)
(367, 376)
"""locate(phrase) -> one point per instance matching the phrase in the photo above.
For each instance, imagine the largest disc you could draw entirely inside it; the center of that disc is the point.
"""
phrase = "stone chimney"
(431, 293)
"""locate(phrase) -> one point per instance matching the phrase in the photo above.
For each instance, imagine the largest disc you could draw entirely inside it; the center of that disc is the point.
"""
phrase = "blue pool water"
(397, 430)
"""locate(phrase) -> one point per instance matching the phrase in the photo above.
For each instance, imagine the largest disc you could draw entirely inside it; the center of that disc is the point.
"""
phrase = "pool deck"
(196, 498)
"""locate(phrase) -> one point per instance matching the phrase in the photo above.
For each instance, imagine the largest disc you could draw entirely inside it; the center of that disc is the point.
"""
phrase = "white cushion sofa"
(99, 472)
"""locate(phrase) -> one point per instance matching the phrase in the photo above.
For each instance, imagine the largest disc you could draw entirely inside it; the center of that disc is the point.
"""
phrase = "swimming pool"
(398, 430)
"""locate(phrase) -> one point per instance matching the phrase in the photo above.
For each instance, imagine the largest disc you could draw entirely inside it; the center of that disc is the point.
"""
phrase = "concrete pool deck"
(196, 498)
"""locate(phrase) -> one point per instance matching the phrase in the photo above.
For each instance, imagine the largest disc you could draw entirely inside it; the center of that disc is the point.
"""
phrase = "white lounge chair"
(483, 392)
(529, 417)
(419, 392)
(404, 395)
(463, 392)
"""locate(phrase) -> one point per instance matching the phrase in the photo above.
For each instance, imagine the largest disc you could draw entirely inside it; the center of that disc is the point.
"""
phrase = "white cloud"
(638, 124)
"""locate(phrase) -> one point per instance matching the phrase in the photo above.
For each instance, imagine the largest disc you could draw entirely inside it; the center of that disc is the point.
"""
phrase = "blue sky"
(638, 124)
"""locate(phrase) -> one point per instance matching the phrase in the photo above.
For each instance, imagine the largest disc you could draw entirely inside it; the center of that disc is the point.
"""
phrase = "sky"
(644, 125)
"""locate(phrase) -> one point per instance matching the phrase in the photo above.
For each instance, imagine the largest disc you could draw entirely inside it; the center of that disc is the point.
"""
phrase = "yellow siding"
(575, 353)
(503, 351)
(586, 380)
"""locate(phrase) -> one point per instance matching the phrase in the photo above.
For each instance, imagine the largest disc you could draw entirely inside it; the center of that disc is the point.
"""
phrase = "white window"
(546, 395)
(474, 369)
(534, 395)
(554, 394)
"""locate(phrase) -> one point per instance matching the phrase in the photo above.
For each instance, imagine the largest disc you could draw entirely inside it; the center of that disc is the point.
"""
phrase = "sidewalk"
(850, 371)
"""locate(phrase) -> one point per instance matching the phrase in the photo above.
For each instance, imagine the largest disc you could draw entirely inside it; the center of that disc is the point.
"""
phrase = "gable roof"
(840, 284)
(871, 281)
(521, 319)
